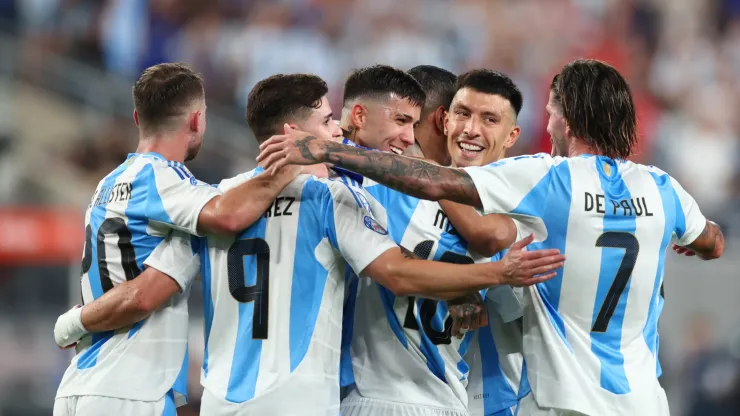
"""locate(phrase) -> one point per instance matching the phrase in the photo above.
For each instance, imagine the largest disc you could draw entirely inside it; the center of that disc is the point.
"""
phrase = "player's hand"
(68, 329)
(292, 148)
(683, 250)
(468, 313)
(526, 268)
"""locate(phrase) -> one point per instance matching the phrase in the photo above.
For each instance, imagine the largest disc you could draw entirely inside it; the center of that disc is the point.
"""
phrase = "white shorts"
(356, 405)
(210, 405)
(109, 406)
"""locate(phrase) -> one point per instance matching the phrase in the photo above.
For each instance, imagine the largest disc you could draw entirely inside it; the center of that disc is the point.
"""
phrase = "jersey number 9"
(259, 293)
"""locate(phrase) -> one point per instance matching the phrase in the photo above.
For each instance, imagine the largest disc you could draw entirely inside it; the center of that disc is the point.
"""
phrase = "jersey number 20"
(259, 293)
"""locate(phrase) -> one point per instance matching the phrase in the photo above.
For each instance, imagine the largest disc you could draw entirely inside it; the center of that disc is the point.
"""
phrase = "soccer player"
(417, 366)
(133, 371)
(590, 334)
(286, 342)
(439, 87)
(381, 106)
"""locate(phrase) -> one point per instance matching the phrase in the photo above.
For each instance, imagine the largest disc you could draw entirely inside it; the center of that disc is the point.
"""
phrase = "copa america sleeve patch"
(373, 225)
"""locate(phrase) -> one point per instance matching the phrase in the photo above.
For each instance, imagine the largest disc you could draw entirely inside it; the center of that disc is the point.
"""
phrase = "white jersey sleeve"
(177, 256)
(359, 237)
(694, 222)
(510, 186)
(181, 197)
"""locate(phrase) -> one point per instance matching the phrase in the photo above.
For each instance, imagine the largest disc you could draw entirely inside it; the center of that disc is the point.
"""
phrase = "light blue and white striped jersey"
(590, 339)
(131, 212)
(273, 298)
(401, 349)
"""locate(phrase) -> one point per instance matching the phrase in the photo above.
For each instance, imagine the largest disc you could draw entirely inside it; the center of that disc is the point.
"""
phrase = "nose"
(407, 136)
(336, 131)
(472, 127)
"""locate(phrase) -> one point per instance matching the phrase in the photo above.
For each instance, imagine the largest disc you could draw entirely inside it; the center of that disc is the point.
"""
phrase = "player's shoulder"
(528, 161)
(239, 179)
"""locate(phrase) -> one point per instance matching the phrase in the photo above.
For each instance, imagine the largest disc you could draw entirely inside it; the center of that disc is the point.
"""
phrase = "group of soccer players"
(332, 265)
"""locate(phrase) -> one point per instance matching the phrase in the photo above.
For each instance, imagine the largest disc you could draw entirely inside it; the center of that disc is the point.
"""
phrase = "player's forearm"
(486, 235)
(441, 280)
(118, 308)
(239, 208)
(408, 175)
(710, 244)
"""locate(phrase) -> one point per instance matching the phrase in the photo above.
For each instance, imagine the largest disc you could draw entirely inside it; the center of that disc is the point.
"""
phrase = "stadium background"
(66, 68)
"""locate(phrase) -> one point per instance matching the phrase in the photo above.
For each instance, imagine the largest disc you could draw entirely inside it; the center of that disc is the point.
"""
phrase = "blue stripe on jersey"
(524, 387)
(205, 276)
(246, 361)
(550, 200)
(306, 293)
(89, 357)
(498, 394)
(462, 349)
(346, 373)
(181, 382)
(671, 208)
(400, 208)
(170, 409)
(170, 164)
(607, 345)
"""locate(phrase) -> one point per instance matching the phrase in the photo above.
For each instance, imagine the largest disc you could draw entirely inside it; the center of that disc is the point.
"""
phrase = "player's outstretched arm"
(122, 306)
(242, 206)
(709, 245)
(485, 234)
(404, 275)
(408, 175)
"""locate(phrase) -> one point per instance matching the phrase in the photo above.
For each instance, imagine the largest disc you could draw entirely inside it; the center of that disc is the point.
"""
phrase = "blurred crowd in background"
(681, 57)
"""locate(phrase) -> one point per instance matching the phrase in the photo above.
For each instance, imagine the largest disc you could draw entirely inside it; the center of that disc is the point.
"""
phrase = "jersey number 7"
(259, 293)
(627, 241)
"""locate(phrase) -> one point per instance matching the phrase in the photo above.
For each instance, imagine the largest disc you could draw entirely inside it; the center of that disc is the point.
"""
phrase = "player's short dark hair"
(282, 98)
(165, 91)
(438, 85)
(380, 82)
(492, 82)
(598, 107)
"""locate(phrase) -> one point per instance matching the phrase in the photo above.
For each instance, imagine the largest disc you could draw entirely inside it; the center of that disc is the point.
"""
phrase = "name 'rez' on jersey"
(130, 213)
(591, 332)
(273, 300)
(401, 348)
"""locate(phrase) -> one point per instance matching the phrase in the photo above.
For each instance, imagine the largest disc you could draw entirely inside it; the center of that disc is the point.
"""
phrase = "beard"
(192, 152)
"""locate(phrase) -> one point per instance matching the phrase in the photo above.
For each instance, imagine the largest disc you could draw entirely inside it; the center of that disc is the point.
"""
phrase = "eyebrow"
(406, 117)
(485, 113)
(329, 116)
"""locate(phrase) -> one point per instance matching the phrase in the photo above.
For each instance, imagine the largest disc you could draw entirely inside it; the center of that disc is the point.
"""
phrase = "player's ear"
(292, 126)
(439, 119)
(136, 118)
(195, 121)
(445, 123)
(358, 116)
(513, 136)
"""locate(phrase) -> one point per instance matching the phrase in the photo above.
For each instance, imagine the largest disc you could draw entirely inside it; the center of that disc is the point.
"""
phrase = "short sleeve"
(177, 256)
(690, 222)
(356, 233)
(504, 185)
(179, 197)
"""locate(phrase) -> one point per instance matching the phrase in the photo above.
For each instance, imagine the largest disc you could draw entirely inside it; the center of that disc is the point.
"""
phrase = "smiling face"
(320, 122)
(385, 125)
(480, 127)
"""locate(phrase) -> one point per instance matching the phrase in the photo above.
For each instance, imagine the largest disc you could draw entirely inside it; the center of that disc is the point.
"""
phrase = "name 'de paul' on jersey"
(636, 207)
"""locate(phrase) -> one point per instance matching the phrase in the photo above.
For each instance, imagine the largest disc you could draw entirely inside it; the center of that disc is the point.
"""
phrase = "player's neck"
(168, 146)
(579, 147)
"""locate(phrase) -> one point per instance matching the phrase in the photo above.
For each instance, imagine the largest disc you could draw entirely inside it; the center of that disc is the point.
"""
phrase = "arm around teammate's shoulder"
(403, 274)
(696, 234)
(485, 234)
(242, 206)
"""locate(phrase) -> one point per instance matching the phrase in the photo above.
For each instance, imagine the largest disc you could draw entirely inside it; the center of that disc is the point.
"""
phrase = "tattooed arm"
(708, 246)
(410, 176)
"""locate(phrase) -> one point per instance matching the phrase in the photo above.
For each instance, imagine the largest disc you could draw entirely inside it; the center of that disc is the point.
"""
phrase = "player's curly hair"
(282, 98)
(598, 107)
